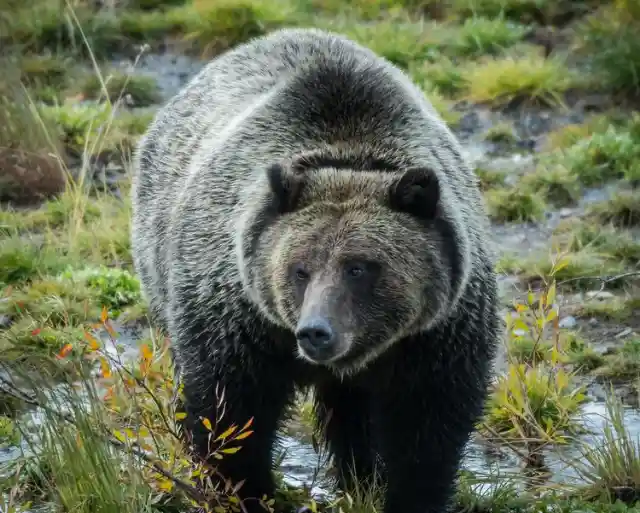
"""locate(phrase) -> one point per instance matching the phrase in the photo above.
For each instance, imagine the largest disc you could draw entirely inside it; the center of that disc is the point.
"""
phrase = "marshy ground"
(545, 97)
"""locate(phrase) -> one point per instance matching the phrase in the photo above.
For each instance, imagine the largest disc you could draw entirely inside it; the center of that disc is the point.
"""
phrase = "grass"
(557, 185)
(622, 210)
(511, 204)
(139, 91)
(608, 39)
(611, 468)
(530, 78)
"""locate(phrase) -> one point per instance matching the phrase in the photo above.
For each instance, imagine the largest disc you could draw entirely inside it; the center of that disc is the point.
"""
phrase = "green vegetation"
(68, 292)
(513, 204)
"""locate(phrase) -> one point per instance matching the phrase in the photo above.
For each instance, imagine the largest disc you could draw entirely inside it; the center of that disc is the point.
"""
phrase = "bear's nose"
(315, 335)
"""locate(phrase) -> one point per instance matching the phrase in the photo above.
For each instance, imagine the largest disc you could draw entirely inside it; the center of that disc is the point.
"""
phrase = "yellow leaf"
(104, 366)
(230, 450)
(244, 435)
(249, 422)
(226, 433)
(119, 435)
(521, 308)
(104, 315)
(94, 345)
(206, 423)
(166, 485)
(181, 416)
(147, 354)
(66, 349)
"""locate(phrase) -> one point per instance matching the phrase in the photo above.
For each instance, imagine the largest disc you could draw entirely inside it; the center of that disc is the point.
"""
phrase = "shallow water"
(300, 462)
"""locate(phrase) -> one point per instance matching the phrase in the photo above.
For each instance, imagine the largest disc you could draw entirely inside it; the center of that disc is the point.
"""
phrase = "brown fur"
(345, 215)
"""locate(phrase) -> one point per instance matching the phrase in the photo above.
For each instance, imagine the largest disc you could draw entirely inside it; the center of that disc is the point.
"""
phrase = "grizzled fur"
(298, 179)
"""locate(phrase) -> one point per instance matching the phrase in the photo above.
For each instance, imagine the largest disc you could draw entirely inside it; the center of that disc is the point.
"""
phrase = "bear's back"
(202, 162)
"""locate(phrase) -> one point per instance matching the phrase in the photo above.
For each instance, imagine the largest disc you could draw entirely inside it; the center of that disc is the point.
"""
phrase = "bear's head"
(351, 261)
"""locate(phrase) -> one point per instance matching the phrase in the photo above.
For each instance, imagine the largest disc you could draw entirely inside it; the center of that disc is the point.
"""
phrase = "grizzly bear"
(302, 217)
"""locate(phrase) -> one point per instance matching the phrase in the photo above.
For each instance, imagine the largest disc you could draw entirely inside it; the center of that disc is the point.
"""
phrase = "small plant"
(141, 91)
(442, 75)
(514, 205)
(576, 270)
(31, 169)
(529, 78)
(113, 287)
(623, 364)
(490, 179)
(556, 184)
(608, 39)
(611, 467)
(487, 36)
(603, 157)
(534, 403)
(502, 133)
(622, 210)
(604, 239)
(9, 435)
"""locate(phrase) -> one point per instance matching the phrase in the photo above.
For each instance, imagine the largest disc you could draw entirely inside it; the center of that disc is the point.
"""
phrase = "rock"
(568, 322)
(624, 333)
(5, 322)
(599, 294)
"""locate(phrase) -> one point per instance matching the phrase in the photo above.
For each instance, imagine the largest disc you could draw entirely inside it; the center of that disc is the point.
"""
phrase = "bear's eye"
(355, 271)
(300, 274)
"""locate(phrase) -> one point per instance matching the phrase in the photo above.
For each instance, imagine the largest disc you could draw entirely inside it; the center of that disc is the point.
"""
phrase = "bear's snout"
(317, 339)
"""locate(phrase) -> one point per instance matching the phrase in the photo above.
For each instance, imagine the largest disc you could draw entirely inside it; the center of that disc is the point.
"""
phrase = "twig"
(190, 490)
(603, 279)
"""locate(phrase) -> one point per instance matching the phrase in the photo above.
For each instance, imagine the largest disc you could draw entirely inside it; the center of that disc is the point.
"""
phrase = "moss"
(530, 78)
(510, 204)
(556, 184)
(141, 91)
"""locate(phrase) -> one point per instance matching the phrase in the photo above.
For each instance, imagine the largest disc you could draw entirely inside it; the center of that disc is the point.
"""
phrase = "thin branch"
(190, 490)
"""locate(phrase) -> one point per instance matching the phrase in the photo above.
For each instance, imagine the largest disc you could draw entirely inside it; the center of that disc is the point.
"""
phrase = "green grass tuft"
(509, 204)
(530, 78)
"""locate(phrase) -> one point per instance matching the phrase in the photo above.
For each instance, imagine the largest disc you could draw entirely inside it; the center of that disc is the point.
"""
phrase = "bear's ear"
(286, 186)
(417, 192)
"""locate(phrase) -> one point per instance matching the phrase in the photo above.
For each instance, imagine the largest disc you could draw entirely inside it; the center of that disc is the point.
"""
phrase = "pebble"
(624, 333)
(5, 321)
(568, 322)
(599, 294)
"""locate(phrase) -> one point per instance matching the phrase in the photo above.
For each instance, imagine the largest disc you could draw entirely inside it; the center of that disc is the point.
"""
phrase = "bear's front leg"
(423, 429)
(256, 385)
(343, 415)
